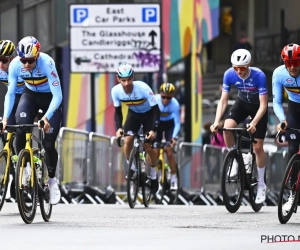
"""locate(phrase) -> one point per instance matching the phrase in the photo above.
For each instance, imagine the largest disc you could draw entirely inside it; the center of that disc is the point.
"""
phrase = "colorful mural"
(185, 27)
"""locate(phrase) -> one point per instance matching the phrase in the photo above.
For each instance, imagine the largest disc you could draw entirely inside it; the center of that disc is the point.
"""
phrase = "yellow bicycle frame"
(29, 148)
(162, 159)
(7, 148)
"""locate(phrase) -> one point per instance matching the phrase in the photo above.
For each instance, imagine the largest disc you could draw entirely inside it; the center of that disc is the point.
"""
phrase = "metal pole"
(93, 103)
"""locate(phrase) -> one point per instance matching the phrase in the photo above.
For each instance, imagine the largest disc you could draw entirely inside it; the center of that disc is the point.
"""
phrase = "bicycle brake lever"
(214, 136)
(119, 141)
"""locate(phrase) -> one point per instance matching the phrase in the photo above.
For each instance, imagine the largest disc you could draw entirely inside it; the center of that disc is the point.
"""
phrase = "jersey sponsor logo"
(150, 93)
(50, 64)
(293, 136)
(38, 70)
(289, 80)
(153, 99)
(56, 83)
(237, 83)
(23, 114)
(53, 73)
(23, 70)
(3, 73)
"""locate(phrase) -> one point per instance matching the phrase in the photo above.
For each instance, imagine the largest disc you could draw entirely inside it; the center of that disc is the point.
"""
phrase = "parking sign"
(80, 14)
(149, 15)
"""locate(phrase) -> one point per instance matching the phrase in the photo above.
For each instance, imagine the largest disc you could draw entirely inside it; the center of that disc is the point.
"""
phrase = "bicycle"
(34, 189)
(7, 163)
(245, 179)
(164, 178)
(289, 191)
(137, 178)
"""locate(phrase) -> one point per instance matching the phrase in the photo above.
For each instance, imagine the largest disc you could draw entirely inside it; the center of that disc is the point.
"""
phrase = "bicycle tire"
(159, 196)
(232, 203)
(43, 189)
(132, 181)
(295, 160)
(4, 176)
(146, 190)
(174, 194)
(26, 196)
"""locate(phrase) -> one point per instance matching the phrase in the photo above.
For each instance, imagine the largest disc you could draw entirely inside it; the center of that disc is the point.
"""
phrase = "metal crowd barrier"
(92, 165)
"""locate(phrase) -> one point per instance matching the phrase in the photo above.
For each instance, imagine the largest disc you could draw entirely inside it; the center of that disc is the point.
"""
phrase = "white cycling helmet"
(241, 57)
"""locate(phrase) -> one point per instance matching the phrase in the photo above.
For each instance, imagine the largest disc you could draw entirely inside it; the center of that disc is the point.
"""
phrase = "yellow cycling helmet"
(7, 48)
(167, 88)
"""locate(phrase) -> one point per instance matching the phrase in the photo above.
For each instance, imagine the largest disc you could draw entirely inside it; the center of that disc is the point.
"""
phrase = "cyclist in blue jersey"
(7, 50)
(287, 77)
(42, 91)
(252, 101)
(142, 110)
(169, 125)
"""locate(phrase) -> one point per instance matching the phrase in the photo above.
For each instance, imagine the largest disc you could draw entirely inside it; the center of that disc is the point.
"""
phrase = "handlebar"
(236, 131)
(279, 133)
(139, 136)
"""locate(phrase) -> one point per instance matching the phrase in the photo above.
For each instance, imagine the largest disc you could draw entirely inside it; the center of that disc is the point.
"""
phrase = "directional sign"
(104, 35)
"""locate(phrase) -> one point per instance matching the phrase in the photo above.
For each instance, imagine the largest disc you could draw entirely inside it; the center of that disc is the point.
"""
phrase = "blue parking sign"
(80, 14)
(149, 15)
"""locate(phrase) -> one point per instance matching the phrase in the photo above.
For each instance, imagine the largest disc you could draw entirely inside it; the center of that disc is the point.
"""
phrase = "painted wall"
(185, 27)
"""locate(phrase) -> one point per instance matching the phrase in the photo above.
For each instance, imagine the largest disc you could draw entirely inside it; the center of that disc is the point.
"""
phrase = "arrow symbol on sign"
(80, 60)
(152, 34)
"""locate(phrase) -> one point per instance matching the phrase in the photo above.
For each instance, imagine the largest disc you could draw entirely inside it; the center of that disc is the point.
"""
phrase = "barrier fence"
(91, 160)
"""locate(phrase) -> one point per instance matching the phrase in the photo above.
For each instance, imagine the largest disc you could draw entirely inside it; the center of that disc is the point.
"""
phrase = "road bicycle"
(290, 186)
(7, 162)
(164, 178)
(138, 177)
(244, 182)
(34, 189)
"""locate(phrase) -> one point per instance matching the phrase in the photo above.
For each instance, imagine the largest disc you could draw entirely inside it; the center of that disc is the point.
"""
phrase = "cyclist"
(169, 124)
(7, 49)
(42, 91)
(287, 76)
(252, 101)
(143, 110)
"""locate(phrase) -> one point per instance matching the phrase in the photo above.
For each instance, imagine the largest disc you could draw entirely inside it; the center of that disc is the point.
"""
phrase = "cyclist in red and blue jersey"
(42, 91)
(252, 100)
(169, 125)
(7, 50)
(287, 77)
(142, 110)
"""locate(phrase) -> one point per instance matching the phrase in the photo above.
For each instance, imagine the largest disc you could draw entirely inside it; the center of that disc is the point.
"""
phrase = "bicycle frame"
(7, 148)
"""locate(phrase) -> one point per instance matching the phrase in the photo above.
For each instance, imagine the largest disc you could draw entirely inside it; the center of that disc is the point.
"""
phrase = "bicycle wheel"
(4, 176)
(289, 191)
(146, 190)
(232, 186)
(43, 188)
(26, 193)
(174, 194)
(132, 179)
(159, 196)
(253, 188)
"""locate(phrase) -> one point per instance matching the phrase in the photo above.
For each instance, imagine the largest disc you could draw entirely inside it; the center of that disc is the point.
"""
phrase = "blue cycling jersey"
(250, 88)
(169, 112)
(140, 100)
(20, 84)
(43, 78)
(282, 79)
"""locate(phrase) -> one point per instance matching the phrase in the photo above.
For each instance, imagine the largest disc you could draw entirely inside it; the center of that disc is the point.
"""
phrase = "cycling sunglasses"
(294, 63)
(166, 97)
(4, 60)
(240, 68)
(29, 61)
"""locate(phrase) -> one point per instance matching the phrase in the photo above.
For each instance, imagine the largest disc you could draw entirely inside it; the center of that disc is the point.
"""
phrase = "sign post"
(104, 35)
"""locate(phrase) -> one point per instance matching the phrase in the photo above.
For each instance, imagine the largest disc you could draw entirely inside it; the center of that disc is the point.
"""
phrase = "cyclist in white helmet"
(252, 101)
(142, 110)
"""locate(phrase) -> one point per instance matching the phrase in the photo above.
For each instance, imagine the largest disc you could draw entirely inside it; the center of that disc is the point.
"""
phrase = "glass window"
(44, 21)
(8, 23)
(30, 24)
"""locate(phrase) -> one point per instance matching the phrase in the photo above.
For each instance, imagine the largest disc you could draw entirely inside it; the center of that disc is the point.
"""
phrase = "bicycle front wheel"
(26, 191)
(159, 196)
(132, 179)
(232, 183)
(289, 192)
(4, 176)
(43, 187)
(174, 194)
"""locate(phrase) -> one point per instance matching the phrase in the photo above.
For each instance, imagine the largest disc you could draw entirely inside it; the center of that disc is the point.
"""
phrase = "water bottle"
(38, 166)
(249, 163)
(143, 163)
(168, 171)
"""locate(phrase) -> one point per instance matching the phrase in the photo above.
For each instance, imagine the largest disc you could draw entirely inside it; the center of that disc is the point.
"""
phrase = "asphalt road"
(158, 227)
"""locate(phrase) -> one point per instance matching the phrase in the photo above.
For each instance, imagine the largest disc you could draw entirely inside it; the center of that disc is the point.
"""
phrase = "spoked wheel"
(132, 179)
(43, 188)
(174, 193)
(146, 190)
(289, 192)
(253, 189)
(26, 191)
(161, 177)
(4, 176)
(232, 183)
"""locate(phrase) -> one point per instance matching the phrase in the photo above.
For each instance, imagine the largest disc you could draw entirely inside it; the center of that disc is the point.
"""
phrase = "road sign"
(104, 35)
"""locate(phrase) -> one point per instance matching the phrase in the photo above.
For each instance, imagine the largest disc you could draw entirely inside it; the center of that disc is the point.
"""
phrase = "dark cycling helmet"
(7, 48)
(125, 70)
(291, 52)
(28, 47)
(167, 88)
